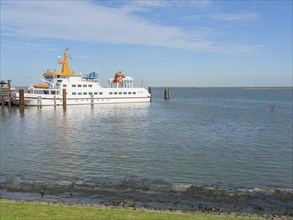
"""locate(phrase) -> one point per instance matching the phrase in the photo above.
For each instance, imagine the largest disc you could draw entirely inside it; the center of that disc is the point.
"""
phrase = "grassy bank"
(28, 210)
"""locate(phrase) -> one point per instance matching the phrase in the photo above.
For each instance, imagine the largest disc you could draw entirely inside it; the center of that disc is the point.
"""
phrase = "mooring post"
(167, 94)
(9, 94)
(64, 98)
(55, 101)
(92, 99)
(2, 102)
(150, 92)
(21, 98)
(39, 101)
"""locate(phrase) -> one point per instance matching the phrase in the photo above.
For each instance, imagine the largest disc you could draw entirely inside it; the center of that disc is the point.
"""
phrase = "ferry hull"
(51, 101)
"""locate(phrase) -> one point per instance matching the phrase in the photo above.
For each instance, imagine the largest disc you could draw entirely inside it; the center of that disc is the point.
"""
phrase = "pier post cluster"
(39, 99)
(64, 93)
(167, 95)
(5, 93)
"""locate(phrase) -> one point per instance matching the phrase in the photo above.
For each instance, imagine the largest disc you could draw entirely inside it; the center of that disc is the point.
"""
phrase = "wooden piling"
(92, 99)
(55, 104)
(9, 94)
(2, 102)
(150, 92)
(39, 101)
(21, 98)
(64, 97)
(167, 94)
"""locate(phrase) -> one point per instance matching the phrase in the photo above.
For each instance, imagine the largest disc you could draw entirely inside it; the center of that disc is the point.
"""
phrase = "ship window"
(79, 93)
(73, 85)
(96, 93)
(100, 93)
(64, 85)
(110, 93)
(124, 93)
(120, 93)
(129, 93)
(115, 93)
(84, 85)
(90, 93)
(78, 85)
(85, 93)
(134, 93)
(74, 93)
(90, 85)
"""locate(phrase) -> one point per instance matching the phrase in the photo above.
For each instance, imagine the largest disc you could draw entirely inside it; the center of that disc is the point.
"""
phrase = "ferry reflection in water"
(81, 141)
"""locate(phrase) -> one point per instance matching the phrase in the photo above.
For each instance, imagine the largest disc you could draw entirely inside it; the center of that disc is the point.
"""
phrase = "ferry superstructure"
(81, 90)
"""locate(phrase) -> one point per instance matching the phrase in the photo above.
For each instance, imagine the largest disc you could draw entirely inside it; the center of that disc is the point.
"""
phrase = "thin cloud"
(132, 6)
(234, 16)
(88, 22)
(137, 6)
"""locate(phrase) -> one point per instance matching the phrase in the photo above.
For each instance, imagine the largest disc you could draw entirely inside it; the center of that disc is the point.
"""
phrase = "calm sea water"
(223, 138)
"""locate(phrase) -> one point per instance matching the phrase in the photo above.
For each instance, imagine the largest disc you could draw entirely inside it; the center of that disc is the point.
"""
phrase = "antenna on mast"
(59, 60)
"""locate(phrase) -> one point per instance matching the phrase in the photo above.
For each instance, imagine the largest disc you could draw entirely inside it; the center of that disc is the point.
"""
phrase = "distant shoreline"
(220, 88)
(202, 88)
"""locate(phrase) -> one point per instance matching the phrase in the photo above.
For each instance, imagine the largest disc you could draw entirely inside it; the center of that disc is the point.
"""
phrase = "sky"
(198, 43)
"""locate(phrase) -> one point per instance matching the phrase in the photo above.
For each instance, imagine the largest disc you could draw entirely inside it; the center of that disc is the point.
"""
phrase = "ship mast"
(65, 68)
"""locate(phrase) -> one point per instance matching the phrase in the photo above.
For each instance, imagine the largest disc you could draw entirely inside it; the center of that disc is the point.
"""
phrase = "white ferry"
(81, 90)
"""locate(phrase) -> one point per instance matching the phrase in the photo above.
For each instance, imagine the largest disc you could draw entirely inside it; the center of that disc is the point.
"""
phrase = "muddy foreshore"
(154, 195)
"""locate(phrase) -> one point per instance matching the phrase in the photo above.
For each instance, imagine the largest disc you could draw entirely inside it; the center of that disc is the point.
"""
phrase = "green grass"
(31, 211)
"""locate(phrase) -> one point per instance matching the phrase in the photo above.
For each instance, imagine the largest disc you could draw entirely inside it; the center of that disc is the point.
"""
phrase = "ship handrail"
(46, 81)
(37, 91)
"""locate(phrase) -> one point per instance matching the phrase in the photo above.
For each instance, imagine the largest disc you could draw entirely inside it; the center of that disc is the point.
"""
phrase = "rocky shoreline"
(145, 194)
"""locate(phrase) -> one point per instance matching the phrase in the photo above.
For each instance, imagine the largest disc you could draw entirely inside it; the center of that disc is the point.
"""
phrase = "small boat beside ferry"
(81, 90)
